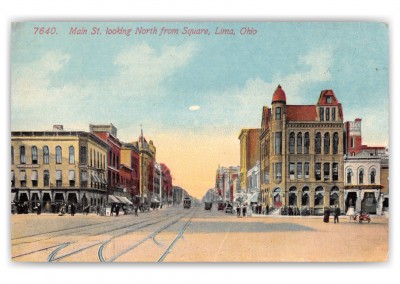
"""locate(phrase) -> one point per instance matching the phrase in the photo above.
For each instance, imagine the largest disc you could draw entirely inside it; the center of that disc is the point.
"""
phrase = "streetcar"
(207, 205)
(187, 202)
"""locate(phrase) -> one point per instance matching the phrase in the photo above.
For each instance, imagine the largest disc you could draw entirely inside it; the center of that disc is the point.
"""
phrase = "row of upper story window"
(97, 159)
(325, 113)
(325, 171)
(361, 176)
(34, 178)
(299, 145)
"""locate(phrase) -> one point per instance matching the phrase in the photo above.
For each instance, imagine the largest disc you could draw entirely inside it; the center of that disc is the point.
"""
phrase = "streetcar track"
(101, 249)
(123, 227)
(100, 242)
(180, 235)
(84, 227)
(151, 236)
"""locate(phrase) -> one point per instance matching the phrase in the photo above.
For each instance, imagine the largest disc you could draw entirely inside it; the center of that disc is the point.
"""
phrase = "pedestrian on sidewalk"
(337, 213)
(73, 209)
(38, 208)
(238, 211)
(244, 210)
(136, 211)
(327, 212)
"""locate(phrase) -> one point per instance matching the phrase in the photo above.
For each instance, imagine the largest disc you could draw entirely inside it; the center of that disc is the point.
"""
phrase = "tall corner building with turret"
(301, 153)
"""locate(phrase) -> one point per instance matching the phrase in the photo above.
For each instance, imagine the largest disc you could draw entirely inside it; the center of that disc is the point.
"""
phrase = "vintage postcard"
(199, 142)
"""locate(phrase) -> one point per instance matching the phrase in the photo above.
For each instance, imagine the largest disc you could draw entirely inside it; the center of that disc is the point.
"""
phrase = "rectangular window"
(335, 171)
(318, 171)
(58, 178)
(278, 113)
(306, 170)
(278, 170)
(83, 155)
(333, 114)
(326, 171)
(291, 170)
(278, 143)
(327, 114)
(321, 114)
(299, 170)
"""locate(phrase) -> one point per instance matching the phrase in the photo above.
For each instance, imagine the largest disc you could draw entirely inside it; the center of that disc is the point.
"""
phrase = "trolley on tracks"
(187, 202)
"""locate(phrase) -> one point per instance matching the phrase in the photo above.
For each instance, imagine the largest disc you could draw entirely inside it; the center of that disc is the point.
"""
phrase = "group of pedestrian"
(241, 210)
(336, 214)
(115, 209)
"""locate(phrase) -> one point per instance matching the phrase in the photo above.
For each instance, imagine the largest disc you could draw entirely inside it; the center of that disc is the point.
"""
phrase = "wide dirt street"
(177, 235)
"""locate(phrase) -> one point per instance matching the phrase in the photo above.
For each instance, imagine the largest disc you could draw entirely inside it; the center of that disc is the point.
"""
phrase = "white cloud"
(141, 69)
(193, 108)
(31, 83)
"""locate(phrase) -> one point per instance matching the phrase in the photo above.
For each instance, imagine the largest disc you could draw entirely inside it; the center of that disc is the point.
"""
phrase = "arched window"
(326, 143)
(22, 157)
(318, 143)
(71, 154)
(372, 176)
(361, 176)
(349, 175)
(299, 142)
(46, 155)
(291, 143)
(335, 142)
(34, 155)
(319, 196)
(306, 143)
(58, 155)
(46, 178)
(12, 155)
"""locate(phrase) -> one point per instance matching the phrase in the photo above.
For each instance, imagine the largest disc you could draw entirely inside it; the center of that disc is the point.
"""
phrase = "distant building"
(166, 184)
(302, 152)
(56, 167)
(108, 133)
(227, 182)
(249, 153)
(147, 154)
(366, 170)
(129, 169)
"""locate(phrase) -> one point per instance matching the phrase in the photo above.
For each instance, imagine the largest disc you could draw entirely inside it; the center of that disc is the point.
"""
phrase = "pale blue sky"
(153, 80)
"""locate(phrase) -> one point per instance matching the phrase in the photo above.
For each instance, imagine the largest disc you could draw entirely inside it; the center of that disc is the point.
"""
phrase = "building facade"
(108, 133)
(362, 183)
(147, 159)
(130, 162)
(249, 153)
(54, 168)
(227, 183)
(366, 170)
(301, 151)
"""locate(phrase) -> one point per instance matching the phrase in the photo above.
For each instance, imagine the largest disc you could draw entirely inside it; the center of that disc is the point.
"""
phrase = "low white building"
(362, 188)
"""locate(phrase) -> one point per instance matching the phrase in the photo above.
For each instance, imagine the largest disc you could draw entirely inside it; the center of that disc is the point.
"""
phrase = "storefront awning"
(113, 199)
(254, 198)
(71, 175)
(95, 177)
(124, 200)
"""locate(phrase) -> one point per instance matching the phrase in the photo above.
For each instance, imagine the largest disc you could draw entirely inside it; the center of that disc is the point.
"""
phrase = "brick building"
(301, 151)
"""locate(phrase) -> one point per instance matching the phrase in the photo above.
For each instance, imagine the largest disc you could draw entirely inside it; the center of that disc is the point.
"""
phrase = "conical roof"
(279, 95)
